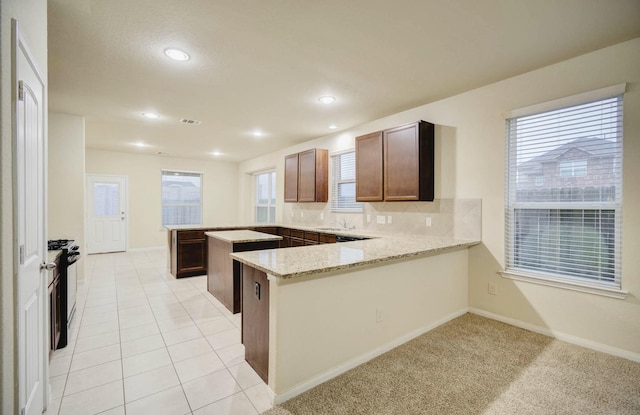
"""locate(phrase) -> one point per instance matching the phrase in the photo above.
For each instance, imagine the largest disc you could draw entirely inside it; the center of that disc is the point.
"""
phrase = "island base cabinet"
(255, 320)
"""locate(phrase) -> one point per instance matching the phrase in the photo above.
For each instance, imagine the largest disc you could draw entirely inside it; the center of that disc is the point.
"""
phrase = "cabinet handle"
(258, 290)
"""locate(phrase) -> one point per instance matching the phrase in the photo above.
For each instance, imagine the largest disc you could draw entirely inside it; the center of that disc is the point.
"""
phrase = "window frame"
(256, 204)
(163, 204)
(583, 284)
(358, 207)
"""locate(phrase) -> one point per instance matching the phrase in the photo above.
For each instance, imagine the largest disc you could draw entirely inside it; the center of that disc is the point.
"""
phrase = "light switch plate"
(381, 219)
(428, 221)
(389, 219)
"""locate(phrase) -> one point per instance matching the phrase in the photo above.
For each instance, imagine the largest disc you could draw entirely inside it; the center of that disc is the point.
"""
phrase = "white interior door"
(106, 213)
(29, 203)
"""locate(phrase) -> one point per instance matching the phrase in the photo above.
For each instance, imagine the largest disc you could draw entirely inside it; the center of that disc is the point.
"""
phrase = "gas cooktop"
(55, 244)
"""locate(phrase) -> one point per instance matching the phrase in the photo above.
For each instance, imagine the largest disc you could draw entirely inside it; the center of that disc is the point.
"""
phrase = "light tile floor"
(143, 342)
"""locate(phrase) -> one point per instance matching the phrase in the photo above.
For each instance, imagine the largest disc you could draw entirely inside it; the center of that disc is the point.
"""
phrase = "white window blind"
(181, 198)
(265, 197)
(564, 193)
(343, 185)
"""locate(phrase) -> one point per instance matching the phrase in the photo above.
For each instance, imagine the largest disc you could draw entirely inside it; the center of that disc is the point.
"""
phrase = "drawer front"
(295, 233)
(326, 238)
(311, 236)
(186, 235)
(297, 242)
(272, 230)
(284, 231)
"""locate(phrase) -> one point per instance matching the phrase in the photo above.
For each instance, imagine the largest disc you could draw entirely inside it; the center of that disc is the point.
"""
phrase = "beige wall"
(66, 180)
(32, 18)
(470, 162)
(326, 325)
(219, 191)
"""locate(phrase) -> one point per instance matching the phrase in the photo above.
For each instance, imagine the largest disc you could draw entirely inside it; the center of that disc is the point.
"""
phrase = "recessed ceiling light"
(150, 115)
(177, 54)
(216, 153)
(327, 99)
(257, 133)
(333, 127)
(139, 144)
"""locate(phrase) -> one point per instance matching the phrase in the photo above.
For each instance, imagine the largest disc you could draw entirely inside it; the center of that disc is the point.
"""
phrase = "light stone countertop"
(241, 236)
(301, 261)
(316, 228)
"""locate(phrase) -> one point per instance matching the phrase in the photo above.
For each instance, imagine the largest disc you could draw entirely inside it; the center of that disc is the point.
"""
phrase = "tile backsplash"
(449, 218)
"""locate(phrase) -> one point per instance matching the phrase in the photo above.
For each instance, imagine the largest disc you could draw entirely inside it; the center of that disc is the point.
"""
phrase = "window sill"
(567, 285)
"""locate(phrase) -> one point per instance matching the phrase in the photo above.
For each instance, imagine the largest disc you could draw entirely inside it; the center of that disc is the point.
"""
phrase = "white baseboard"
(332, 373)
(578, 341)
(149, 248)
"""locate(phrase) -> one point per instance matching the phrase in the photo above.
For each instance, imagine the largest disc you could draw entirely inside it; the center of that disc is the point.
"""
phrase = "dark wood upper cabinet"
(291, 178)
(310, 175)
(408, 162)
(396, 164)
(369, 167)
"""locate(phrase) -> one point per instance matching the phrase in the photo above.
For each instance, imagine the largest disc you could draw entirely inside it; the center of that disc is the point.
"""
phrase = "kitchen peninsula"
(332, 307)
(312, 312)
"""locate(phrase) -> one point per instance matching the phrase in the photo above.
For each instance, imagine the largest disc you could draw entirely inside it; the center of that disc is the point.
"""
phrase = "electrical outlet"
(321, 215)
(389, 219)
(381, 219)
(368, 218)
(379, 316)
(301, 214)
(492, 288)
(428, 221)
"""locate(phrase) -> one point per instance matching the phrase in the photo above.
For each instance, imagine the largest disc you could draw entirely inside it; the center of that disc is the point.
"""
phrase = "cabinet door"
(402, 163)
(291, 178)
(255, 320)
(369, 167)
(307, 176)
(192, 257)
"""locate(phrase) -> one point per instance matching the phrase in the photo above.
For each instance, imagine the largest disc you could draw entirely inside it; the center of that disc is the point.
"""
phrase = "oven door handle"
(49, 266)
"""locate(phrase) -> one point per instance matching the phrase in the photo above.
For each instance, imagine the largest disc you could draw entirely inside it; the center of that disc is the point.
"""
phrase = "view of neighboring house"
(568, 172)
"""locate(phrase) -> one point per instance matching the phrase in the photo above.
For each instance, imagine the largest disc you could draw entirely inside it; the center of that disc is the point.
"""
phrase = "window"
(573, 168)
(559, 229)
(181, 198)
(266, 197)
(343, 186)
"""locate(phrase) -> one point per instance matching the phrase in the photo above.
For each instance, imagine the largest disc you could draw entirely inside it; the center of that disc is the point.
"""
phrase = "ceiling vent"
(162, 153)
(190, 122)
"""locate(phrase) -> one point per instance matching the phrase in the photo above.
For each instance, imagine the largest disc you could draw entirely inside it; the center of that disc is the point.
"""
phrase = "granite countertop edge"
(450, 245)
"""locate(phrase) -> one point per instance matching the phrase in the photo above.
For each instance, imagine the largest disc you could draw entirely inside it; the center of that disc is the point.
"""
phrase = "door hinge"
(21, 254)
(20, 91)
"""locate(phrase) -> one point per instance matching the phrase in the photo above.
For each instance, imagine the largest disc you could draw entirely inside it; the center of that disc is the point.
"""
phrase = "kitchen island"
(223, 272)
(324, 309)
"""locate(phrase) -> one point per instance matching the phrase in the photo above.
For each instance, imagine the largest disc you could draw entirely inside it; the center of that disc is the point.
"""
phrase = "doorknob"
(48, 266)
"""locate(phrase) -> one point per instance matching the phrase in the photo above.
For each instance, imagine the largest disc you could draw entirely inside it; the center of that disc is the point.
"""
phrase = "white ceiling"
(260, 64)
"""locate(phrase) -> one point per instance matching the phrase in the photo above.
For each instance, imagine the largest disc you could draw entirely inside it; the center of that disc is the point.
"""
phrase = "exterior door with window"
(106, 214)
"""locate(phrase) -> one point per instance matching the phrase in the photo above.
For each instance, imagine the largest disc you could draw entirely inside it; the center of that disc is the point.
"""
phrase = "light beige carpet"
(474, 365)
